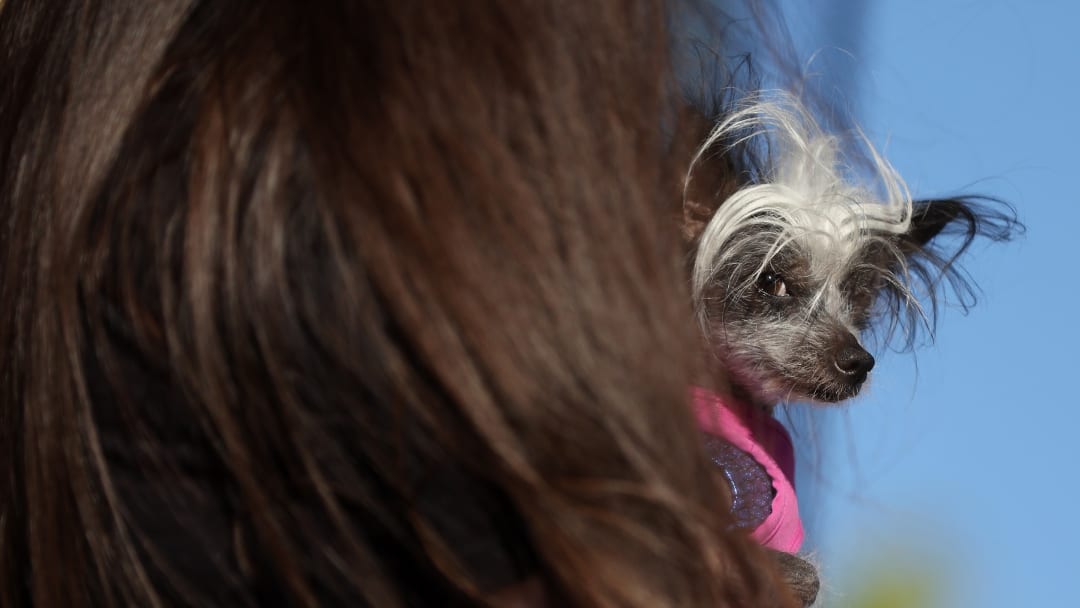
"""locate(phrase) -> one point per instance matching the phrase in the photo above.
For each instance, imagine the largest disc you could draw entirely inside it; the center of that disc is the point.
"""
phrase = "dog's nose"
(854, 361)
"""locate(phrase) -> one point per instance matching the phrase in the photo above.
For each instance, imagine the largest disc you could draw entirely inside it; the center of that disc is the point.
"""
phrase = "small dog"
(796, 252)
(796, 255)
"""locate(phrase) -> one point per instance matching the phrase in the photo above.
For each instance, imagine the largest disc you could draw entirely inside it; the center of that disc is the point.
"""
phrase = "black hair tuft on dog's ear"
(967, 217)
(930, 217)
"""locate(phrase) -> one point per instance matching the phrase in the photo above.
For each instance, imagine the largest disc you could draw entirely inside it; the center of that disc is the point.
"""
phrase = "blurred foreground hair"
(357, 303)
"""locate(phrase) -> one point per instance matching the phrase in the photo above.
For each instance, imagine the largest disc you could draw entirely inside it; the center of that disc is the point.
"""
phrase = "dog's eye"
(773, 285)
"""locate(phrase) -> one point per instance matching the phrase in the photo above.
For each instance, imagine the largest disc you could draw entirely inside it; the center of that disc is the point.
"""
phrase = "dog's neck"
(719, 381)
(748, 397)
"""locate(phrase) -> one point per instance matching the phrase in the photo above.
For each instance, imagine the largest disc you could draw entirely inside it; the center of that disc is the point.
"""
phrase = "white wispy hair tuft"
(807, 191)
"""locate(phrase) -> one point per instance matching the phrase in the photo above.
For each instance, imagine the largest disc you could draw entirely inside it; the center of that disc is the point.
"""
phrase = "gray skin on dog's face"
(788, 329)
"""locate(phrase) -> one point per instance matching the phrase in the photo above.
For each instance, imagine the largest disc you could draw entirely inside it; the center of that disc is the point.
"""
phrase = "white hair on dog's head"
(808, 194)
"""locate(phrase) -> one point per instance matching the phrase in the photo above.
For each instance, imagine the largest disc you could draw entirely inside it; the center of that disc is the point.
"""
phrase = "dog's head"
(797, 255)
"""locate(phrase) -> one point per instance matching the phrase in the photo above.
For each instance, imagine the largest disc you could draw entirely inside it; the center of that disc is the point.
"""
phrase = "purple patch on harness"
(751, 487)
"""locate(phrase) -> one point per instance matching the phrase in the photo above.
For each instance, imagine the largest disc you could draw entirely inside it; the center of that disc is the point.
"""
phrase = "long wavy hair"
(348, 302)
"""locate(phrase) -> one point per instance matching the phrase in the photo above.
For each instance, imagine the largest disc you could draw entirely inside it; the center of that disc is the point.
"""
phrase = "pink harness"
(760, 435)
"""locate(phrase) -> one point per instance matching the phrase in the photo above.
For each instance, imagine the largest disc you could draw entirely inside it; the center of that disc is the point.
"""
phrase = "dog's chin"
(834, 393)
(828, 393)
(768, 389)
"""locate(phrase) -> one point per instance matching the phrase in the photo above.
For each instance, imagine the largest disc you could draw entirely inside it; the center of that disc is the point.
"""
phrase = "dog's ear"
(929, 218)
(711, 180)
(965, 218)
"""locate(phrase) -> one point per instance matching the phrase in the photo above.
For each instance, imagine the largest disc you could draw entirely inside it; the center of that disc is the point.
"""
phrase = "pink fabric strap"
(767, 441)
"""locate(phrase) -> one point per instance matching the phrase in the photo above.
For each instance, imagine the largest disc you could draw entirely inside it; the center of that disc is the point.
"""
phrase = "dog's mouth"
(828, 391)
(768, 385)
(834, 385)
(834, 393)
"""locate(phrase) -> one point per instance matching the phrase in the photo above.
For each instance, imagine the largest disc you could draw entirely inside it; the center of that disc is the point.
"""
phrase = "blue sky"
(959, 462)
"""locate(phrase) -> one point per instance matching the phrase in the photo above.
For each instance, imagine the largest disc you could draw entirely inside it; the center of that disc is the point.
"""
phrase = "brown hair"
(357, 302)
